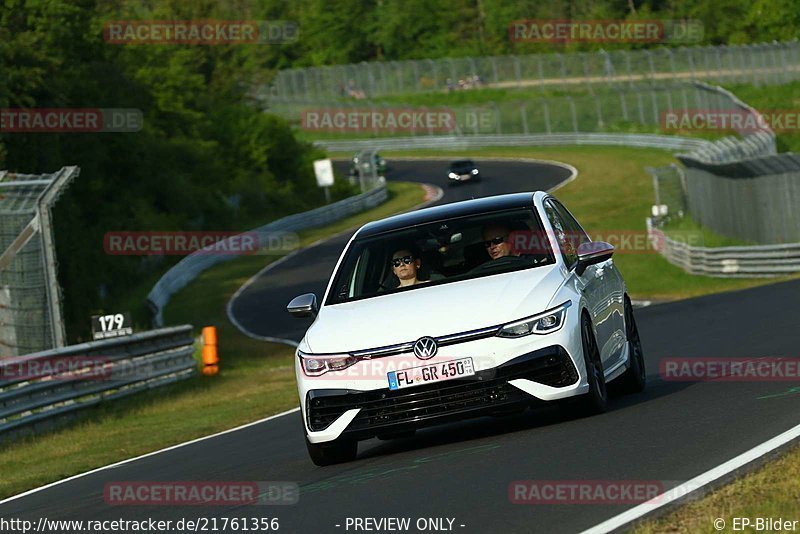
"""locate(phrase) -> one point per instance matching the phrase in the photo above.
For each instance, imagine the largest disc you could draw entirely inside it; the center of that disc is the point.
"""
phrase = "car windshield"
(462, 166)
(441, 252)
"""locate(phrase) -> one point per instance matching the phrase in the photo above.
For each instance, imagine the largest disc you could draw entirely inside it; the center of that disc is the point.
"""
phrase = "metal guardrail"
(753, 144)
(38, 389)
(730, 262)
(192, 265)
(667, 142)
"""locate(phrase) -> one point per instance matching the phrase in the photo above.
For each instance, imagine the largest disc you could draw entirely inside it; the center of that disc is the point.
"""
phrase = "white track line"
(129, 460)
(696, 483)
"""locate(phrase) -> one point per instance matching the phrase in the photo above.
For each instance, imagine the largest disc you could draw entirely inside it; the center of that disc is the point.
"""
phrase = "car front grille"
(485, 390)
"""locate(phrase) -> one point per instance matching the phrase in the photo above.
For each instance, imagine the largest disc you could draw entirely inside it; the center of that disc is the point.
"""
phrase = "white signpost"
(323, 168)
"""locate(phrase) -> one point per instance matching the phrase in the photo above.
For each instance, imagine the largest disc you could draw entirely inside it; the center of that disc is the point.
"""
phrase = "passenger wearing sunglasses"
(405, 265)
(495, 239)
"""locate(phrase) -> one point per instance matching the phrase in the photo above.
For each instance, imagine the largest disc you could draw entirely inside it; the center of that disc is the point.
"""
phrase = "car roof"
(462, 162)
(447, 211)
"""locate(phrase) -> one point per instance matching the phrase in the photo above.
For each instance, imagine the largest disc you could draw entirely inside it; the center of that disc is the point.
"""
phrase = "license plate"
(427, 374)
(466, 176)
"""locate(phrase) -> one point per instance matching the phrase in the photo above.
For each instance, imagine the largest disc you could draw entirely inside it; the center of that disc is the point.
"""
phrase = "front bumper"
(546, 373)
(462, 177)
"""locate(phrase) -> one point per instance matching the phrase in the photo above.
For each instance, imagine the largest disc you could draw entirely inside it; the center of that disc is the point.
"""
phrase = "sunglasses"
(494, 241)
(405, 259)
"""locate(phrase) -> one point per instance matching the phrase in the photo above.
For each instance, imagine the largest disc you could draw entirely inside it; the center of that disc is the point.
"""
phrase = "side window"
(562, 234)
(576, 233)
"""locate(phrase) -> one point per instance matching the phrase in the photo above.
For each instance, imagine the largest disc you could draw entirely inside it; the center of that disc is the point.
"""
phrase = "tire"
(596, 400)
(635, 377)
(335, 452)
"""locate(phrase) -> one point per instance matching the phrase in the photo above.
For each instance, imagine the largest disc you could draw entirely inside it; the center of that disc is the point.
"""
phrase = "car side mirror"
(591, 253)
(303, 306)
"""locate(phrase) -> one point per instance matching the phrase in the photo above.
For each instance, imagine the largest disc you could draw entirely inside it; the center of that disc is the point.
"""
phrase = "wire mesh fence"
(759, 64)
(30, 298)
(634, 109)
(671, 196)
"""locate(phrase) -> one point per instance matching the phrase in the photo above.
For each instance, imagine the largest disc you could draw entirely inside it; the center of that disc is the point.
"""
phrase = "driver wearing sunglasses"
(405, 265)
(495, 239)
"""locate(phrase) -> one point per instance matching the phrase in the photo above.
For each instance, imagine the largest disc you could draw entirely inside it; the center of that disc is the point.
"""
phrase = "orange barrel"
(210, 357)
(210, 335)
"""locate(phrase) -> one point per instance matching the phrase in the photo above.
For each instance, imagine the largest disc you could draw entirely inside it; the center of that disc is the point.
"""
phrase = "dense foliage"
(347, 31)
(205, 158)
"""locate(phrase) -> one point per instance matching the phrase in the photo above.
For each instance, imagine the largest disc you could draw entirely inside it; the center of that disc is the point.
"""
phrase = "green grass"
(612, 194)
(256, 380)
(772, 491)
(707, 238)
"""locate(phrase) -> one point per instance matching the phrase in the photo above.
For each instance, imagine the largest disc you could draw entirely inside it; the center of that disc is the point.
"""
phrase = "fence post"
(524, 113)
(623, 105)
(546, 111)
(574, 114)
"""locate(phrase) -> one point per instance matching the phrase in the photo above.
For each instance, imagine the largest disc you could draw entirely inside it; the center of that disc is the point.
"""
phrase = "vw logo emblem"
(425, 348)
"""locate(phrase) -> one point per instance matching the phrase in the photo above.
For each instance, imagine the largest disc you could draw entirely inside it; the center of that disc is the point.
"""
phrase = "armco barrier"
(35, 391)
(731, 262)
(667, 142)
(192, 265)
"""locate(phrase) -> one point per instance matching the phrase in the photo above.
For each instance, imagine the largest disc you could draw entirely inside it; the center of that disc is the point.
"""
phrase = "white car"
(472, 308)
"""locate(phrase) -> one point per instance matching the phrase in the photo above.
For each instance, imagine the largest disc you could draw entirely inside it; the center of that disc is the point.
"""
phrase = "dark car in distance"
(463, 170)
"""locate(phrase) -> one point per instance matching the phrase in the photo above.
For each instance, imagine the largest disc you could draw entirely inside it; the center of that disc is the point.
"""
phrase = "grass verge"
(257, 380)
(770, 492)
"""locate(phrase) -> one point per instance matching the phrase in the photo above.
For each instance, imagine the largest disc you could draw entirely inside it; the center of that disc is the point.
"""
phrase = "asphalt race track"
(462, 471)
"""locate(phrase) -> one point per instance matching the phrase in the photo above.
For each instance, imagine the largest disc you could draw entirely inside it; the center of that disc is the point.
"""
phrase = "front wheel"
(336, 452)
(635, 378)
(596, 400)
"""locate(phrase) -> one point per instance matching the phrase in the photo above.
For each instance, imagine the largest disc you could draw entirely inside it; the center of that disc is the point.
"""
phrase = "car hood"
(433, 311)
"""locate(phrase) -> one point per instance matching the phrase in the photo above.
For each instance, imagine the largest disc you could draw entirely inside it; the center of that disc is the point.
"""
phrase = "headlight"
(452, 175)
(474, 171)
(543, 323)
(319, 364)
